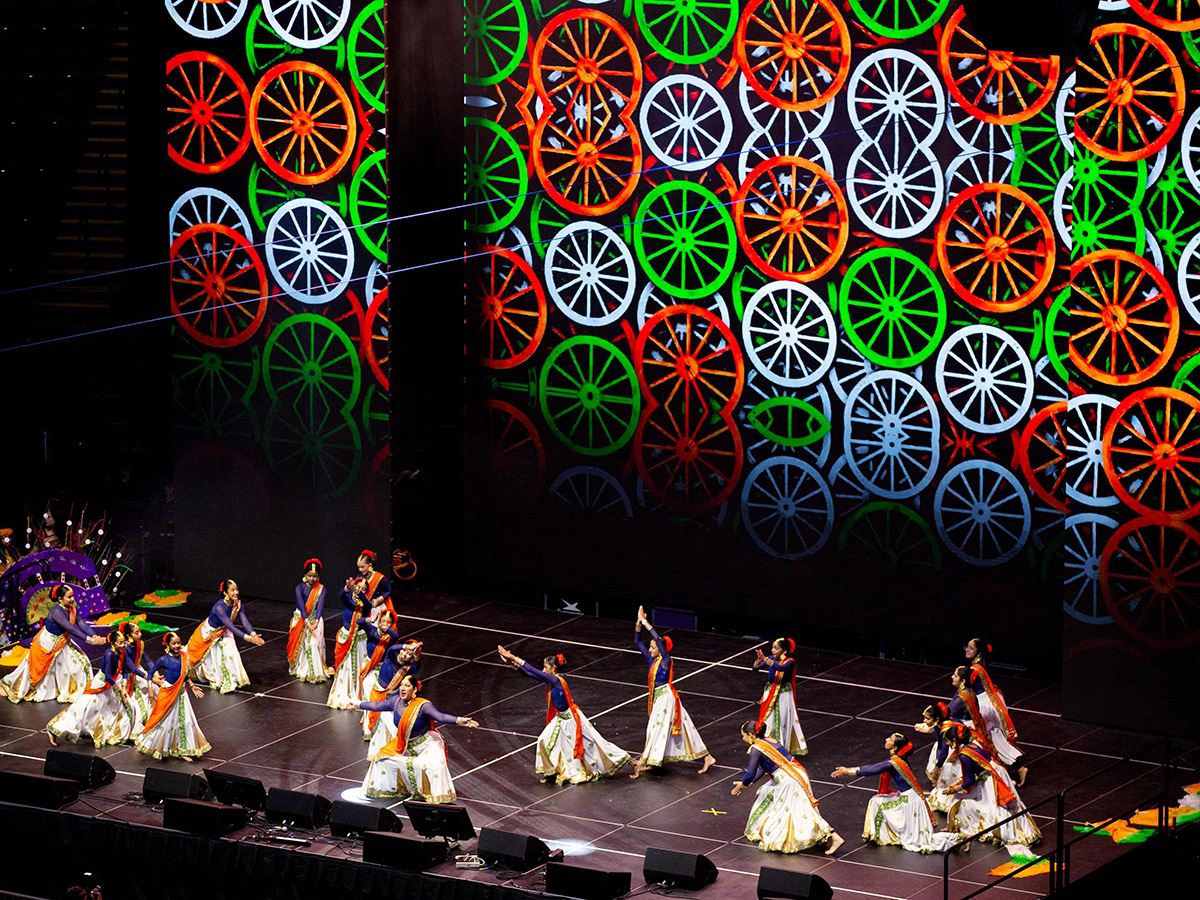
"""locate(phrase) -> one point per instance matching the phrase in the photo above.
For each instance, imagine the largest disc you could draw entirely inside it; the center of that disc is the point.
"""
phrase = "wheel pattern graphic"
(1086, 421)
(376, 338)
(368, 204)
(302, 122)
(1148, 575)
(495, 177)
(1042, 454)
(984, 379)
(690, 459)
(206, 205)
(590, 274)
(1084, 539)
(789, 334)
(207, 100)
(891, 435)
(508, 305)
(218, 285)
(208, 19)
(787, 508)
(892, 533)
(687, 32)
(981, 513)
(589, 395)
(895, 193)
(594, 490)
(685, 122)
(307, 23)
(895, 97)
(893, 308)
(685, 355)
(311, 365)
(899, 19)
(684, 239)
(1169, 15)
(366, 54)
(310, 251)
(1152, 453)
(514, 447)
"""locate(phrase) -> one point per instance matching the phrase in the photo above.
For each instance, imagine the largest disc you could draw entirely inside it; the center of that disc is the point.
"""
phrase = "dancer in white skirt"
(350, 647)
(102, 712)
(569, 750)
(306, 634)
(777, 707)
(135, 682)
(986, 796)
(212, 651)
(381, 684)
(899, 813)
(413, 764)
(942, 771)
(377, 590)
(172, 728)
(784, 818)
(670, 735)
(1002, 733)
(54, 668)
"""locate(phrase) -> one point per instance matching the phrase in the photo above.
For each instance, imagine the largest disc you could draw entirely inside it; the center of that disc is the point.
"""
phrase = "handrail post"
(946, 874)
(1056, 871)
(1163, 817)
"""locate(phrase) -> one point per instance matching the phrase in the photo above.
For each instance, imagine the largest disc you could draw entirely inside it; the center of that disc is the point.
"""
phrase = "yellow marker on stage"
(715, 812)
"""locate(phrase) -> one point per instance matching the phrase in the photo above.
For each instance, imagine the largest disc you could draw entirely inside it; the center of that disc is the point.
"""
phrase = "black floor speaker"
(586, 884)
(296, 808)
(202, 817)
(517, 851)
(89, 770)
(689, 871)
(782, 884)
(386, 848)
(348, 819)
(159, 784)
(38, 790)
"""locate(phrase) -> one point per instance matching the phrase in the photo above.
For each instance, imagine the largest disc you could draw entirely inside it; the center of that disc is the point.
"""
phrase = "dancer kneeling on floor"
(784, 818)
(413, 764)
(985, 795)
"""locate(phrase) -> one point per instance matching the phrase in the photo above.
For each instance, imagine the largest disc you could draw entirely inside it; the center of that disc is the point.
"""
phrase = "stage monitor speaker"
(689, 871)
(89, 770)
(517, 851)
(386, 848)
(784, 884)
(444, 820)
(295, 808)
(234, 790)
(1034, 27)
(202, 817)
(159, 784)
(37, 790)
(348, 819)
(586, 884)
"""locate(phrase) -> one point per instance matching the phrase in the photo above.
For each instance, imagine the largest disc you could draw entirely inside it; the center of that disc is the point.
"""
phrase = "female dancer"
(398, 662)
(102, 712)
(378, 591)
(985, 796)
(785, 817)
(1002, 733)
(379, 641)
(942, 773)
(569, 749)
(777, 708)
(413, 764)
(670, 735)
(172, 728)
(212, 651)
(350, 648)
(899, 813)
(306, 635)
(136, 683)
(54, 668)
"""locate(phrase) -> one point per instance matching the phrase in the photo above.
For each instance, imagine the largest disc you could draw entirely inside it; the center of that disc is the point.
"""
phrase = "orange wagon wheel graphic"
(794, 53)
(690, 459)
(206, 112)
(995, 245)
(589, 160)
(508, 307)
(1124, 318)
(1151, 451)
(1129, 97)
(687, 356)
(376, 335)
(1042, 453)
(997, 86)
(302, 122)
(1169, 15)
(1150, 578)
(791, 218)
(218, 285)
(583, 56)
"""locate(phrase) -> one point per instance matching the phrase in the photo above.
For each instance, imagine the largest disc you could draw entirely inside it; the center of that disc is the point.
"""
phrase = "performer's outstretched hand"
(738, 787)
(467, 722)
(841, 772)
(508, 657)
(761, 657)
(199, 693)
(254, 639)
(96, 639)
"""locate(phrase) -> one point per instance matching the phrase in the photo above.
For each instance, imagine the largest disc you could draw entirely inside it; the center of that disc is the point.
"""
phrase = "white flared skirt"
(344, 692)
(176, 734)
(661, 745)
(419, 773)
(309, 664)
(70, 671)
(903, 819)
(783, 819)
(222, 665)
(940, 798)
(382, 734)
(105, 718)
(141, 694)
(979, 809)
(782, 723)
(556, 752)
(1006, 751)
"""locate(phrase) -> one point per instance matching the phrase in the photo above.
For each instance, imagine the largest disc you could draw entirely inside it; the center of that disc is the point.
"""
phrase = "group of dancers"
(375, 671)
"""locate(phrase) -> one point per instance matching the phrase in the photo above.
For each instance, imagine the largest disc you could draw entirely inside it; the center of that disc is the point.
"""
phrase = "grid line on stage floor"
(280, 732)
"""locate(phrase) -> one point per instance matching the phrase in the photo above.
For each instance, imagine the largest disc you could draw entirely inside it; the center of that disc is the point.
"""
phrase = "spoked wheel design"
(891, 435)
(984, 378)
(1042, 453)
(1084, 539)
(1150, 578)
(302, 122)
(495, 177)
(368, 204)
(1169, 15)
(206, 112)
(509, 305)
(684, 239)
(1086, 421)
(588, 163)
(317, 447)
(893, 308)
(787, 508)
(982, 513)
(686, 122)
(894, 97)
(896, 193)
(514, 447)
(789, 334)
(685, 355)
(687, 31)
(795, 53)
(893, 533)
(585, 57)
(690, 459)
(311, 364)
(208, 18)
(201, 205)
(589, 395)
(307, 23)
(590, 274)
(376, 336)
(1152, 452)
(310, 251)
(593, 489)
(218, 285)
(366, 54)
(496, 31)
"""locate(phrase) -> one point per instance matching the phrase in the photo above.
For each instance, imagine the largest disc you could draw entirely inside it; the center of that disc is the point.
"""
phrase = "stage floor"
(280, 732)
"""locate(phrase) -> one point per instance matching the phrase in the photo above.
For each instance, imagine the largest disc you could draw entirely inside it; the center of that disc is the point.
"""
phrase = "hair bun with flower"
(369, 554)
(668, 643)
(560, 659)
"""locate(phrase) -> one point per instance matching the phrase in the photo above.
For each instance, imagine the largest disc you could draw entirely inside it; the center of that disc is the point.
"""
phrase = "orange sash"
(340, 647)
(376, 695)
(137, 661)
(902, 766)
(197, 646)
(381, 647)
(395, 747)
(1004, 794)
(677, 724)
(298, 629)
(978, 671)
(773, 694)
(40, 660)
(167, 694)
(116, 675)
(551, 712)
(790, 766)
(980, 727)
(372, 583)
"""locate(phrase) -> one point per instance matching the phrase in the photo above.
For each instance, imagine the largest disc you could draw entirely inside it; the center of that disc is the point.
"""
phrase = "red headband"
(167, 638)
(309, 563)
(560, 659)
(368, 554)
(791, 645)
(989, 646)
(668, 643)
(56, 591)
(945, 710)
(416, 682)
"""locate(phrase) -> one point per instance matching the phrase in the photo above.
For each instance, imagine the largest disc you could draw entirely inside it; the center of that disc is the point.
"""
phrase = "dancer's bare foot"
(966, 848)
(638, 769)
(708, 761)
(542, 780)
(835, 841)
(50, 734)
(1021, 773)
(187, 759)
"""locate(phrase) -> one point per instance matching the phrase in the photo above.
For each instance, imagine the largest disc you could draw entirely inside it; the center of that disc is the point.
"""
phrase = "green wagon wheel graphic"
(496, 33)
(1039, 157)
(1057, 335)
(1106, 200)
(212, 392)
(893, 308)
(899, 18)
(264, 46)
(313, 363)
(688, 31)
(1187, 379)
(589, 395)
(545, 220)
(495, 177)
(368, 204)
(1172, 209)
(685, 240)
(894, 532)
(367, 56)
(321, 446)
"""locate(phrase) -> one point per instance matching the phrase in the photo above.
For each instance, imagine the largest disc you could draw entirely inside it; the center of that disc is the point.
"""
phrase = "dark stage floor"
(281, 733)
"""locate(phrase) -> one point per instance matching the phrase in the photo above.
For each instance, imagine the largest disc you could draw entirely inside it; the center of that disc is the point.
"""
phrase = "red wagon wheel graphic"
(794, 53)
(302, 122)
(1169, 15)
(1150, 578)
(995, 245)
(994, 85)
(686, 356)
(1042, 454)
(206, 112)
(1130, 103)
(375, 336)
(594, 59)
(1151, 452)
(690, 459)
(791, 218)
(1124, 318)
(218, 285)
(515, 446)
(508, 307)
